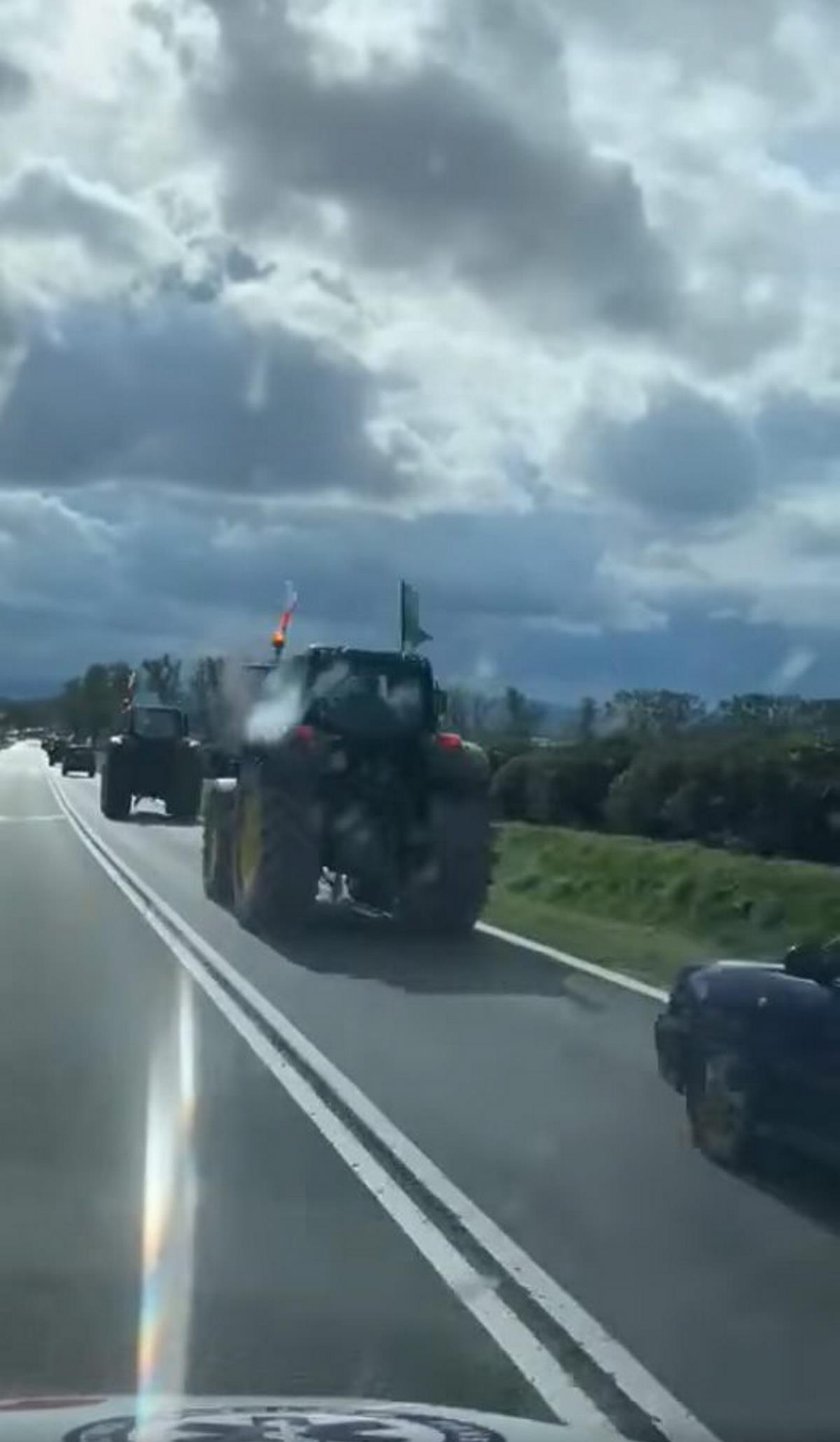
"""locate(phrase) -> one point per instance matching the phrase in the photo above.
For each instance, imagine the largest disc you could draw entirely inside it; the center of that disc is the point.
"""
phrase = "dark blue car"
(755, 1050)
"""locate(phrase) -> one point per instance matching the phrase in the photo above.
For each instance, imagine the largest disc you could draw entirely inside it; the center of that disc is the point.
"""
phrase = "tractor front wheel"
(115, 789)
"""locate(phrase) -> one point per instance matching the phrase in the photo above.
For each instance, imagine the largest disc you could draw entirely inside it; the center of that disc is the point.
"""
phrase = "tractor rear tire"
(115, 790)
(276, 863)
(217, 844)
(446, 894)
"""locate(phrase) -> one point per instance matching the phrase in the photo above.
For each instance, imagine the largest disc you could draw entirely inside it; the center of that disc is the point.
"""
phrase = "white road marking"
(577, 963)
(17, 820)
(531, 1358)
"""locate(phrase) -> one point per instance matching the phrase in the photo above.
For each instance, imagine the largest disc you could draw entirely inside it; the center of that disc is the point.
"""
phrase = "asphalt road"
(531, 1086)
(298, 1283)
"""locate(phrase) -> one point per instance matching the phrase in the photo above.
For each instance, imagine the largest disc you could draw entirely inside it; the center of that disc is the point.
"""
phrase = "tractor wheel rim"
(250, 841)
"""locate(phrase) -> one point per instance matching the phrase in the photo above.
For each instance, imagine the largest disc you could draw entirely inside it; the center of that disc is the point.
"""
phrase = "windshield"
(368, 693)
(420, 480)
(159, 724)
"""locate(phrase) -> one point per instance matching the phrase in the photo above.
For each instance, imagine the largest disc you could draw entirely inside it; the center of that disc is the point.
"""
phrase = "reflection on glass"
(168, 1214)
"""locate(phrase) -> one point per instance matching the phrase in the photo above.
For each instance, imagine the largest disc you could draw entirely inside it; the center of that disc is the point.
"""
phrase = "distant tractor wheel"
(276, 866)
(719, 1103)
(115, 789)
(184, 800)
(217, 845)
(447, 892)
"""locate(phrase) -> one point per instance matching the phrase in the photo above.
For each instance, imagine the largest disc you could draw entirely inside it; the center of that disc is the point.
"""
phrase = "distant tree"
(204, 694)
(587, 719)
(755, 711)
(72, 706)
(162, 676)
(458, 710)
(491, 719)
(481, 710)
(521, 716)
(650, 714)
(89, 705)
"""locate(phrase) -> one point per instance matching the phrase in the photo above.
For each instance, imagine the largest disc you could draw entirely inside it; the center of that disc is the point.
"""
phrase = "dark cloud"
(687, 460)
(506, 607)
(488, 565)
(692, 652)
(794, 428)
(110, 573)
(240, 266)
(182, 393)
(430, 173)
(15, 84)
(211, 270)
(817, 539)
(509, 598)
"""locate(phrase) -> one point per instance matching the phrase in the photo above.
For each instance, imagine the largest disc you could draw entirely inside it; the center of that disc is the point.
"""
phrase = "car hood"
(247, 1419)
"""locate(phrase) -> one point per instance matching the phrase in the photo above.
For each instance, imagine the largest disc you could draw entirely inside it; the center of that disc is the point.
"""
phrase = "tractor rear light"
(449, 741)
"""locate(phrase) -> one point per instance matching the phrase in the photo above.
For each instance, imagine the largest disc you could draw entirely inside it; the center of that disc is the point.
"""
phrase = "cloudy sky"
(535, 304)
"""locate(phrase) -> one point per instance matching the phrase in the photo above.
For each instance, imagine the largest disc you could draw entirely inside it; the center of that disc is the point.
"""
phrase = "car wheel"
(720, 1105)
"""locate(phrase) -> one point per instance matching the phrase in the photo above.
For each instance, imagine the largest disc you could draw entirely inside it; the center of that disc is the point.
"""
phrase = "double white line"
(586, 1379)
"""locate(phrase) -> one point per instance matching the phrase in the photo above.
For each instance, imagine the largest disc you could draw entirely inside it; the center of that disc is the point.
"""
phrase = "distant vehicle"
(56, 747)
(342, 772)
(153, 757)
(78, 756)
(755, 1050)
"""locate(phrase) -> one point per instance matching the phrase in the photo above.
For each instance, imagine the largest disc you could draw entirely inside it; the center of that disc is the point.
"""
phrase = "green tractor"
(343, 776)
(153, 756)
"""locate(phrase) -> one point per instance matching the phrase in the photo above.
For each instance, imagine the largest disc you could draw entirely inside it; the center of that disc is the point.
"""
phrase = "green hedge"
(776, 796)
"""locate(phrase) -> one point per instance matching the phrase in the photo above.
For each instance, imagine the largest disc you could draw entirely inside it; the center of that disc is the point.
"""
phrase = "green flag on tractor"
(412, 634)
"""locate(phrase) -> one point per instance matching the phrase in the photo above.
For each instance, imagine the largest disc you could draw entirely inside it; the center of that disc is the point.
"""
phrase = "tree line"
(658, 714)
(756, 772)
(90, 705)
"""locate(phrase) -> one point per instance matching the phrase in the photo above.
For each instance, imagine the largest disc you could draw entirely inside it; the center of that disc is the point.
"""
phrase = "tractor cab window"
(368, 694)
(157, 724)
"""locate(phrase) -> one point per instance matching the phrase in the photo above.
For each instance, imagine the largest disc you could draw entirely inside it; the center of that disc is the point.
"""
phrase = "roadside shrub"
(508, 789)
(769, 798)
(559, 785)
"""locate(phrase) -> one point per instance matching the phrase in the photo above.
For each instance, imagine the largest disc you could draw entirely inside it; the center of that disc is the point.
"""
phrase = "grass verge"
(646, 907)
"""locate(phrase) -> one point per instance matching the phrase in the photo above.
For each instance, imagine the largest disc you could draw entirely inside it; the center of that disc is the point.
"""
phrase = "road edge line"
(610, 1357)
(576, 963)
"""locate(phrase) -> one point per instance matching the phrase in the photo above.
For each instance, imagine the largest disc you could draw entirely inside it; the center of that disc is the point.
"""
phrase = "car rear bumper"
(671, 1035)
